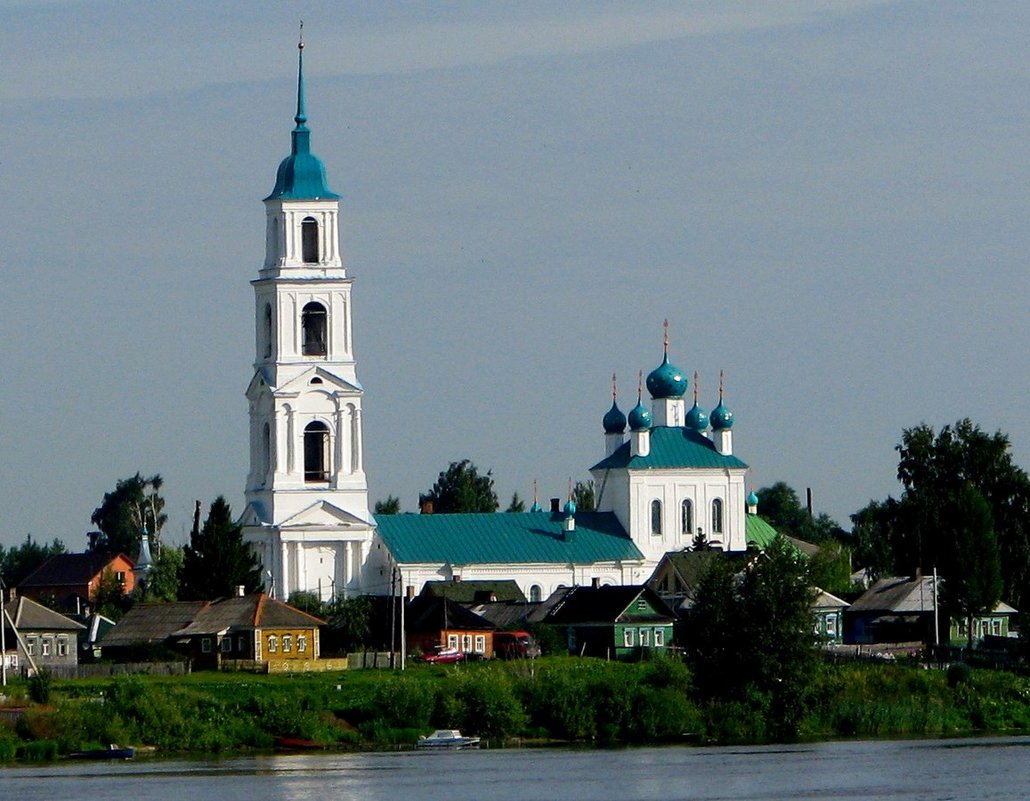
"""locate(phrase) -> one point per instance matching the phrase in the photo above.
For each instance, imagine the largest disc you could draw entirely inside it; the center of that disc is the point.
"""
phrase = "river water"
(994, 769)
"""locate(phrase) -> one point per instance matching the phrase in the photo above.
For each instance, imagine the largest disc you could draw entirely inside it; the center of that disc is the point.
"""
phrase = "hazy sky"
(829, 200)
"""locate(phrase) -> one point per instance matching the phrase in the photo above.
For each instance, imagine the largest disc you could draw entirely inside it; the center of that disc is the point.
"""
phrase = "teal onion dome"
(570, 507)
(697, 418)
(640, 418)
(614, 420)
(752, 499)
(666, 381)
(301, 175)
(535, 507)
(722, 418)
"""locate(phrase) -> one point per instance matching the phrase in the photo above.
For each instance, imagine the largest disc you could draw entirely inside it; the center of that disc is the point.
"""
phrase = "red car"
(444, 656)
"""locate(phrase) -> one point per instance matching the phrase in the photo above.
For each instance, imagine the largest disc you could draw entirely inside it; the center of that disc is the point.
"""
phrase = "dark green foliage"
(134, 505)
(217, 560)
(306, 602)
(350, 620)
(163, 579)
(9, 743)
(40, 686)
(749, 636)
(17, 562)
(38, 751)
(830, 568)
(583, 495)
(517, 504)
(391, 506)
(959, 673)
(780, 507)
(460, 488)
(109, 597)
(973, 586)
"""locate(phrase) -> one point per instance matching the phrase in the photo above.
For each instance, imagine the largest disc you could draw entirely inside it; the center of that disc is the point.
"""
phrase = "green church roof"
(759, 533)
(506, 537)
(671, 448)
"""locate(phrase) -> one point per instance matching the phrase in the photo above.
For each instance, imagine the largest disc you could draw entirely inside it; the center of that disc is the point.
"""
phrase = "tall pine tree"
(217, 560)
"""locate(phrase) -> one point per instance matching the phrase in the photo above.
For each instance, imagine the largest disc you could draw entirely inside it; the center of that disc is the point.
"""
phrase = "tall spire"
(665, 337)
(302, 116)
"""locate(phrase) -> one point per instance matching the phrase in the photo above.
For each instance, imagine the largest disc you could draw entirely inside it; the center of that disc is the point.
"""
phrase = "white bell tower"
(307, 510)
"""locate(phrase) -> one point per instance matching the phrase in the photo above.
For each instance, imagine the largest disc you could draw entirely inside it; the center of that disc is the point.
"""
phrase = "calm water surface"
(996, 769)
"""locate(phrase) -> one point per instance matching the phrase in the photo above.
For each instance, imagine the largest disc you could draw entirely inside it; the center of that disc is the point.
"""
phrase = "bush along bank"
(551, 700)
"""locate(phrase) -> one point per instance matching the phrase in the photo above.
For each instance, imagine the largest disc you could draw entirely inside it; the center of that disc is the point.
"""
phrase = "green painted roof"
(759, 533)
(670, 448)
(506, 537)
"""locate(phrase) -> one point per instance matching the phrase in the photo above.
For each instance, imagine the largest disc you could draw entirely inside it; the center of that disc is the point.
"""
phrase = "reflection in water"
(843, 771)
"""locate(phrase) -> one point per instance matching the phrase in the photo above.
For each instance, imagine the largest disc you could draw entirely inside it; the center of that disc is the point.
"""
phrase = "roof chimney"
(427, 507)
(555, 506)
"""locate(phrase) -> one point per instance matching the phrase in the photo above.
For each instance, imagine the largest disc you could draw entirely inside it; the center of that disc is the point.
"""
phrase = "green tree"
(16, 563)
(352, 618)
(517, 504)
(217, 560)
(307, 601)
(749, 635)
(460, 488)
(135, 504)
(162, 581)
(109, 597)
(780, 506)
(390, 506)
(973, 586)
(583, 495)
(830, 568)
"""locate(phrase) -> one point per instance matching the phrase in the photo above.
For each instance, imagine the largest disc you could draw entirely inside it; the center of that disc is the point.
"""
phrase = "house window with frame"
(656, 517)
(226, 645)
(645, 638)
(205, 645)
(314, 330)
(480, 643)
(831, 625)
(452, 642)
(466, 643)
(309, 240)
(273, 644)
(659, 638)
(30, 646)
(717, 516)
(629, 637)
(316, 452)
(241, 644)
(287, 644)
(302, 644)
(62, 646)
(47, 644)
(687, 518)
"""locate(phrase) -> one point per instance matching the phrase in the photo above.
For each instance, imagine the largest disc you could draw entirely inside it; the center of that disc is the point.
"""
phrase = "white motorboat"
(447, 738)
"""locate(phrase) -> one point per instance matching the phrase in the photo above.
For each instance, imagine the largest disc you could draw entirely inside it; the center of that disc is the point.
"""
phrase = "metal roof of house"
(671, 448)
(897, 594)
(71, 569)
(146, 624)
(827, 600)
(506, 538)
(475, 591)
(758, 532)
(426, 613)
(606, 604)
(27, 615)
(255, 611)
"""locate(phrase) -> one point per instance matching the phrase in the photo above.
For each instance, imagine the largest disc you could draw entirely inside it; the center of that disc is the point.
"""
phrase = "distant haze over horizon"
(828, 200)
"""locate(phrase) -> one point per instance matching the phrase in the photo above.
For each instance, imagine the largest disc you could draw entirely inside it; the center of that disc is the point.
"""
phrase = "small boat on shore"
(111, 752)
(447, 739)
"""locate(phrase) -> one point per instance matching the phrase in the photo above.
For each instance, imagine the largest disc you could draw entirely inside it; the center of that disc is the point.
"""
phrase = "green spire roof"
(301, 175)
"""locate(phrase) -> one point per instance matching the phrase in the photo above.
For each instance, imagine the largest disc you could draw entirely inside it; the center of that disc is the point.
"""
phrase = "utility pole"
(404, 634)
(3, 634)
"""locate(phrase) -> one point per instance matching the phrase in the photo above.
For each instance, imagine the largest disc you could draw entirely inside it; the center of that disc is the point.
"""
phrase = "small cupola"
(667, 385)
(697, 418)
(614, 423)
(722, 424)
(752, 503)
(640, 424)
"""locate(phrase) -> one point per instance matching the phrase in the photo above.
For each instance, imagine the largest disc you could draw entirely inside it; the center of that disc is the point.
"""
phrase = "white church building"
(667, 475)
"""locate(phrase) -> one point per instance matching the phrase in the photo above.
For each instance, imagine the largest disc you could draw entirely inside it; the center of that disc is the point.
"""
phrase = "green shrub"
(959, 673)
(40, 686)
(37, 751)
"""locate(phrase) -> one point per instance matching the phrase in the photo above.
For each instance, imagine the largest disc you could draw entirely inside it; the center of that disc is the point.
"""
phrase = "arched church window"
(687, 517)
(717, 516)
(266, 451)
(656, 517)
(314, 325)
(268, 330)
(316, 452)
(309, 240)
(535, 593)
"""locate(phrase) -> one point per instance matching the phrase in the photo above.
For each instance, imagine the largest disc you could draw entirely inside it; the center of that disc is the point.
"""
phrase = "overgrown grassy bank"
(554, 699)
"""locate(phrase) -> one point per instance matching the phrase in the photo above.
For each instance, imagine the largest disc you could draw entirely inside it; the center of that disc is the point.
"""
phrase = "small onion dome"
(535, 507)
(640, 418)
(722, 417)
(752, 499)
(614, 421)
(570, 507)
(666, 381)
(697, 418)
